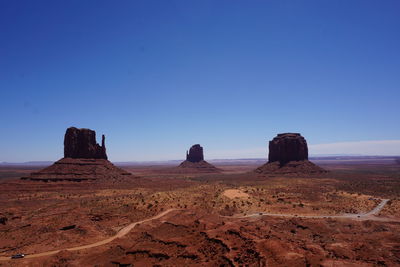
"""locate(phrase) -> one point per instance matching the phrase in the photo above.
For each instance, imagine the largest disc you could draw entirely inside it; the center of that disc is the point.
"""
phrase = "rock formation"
(81, 143)
(195, 154)
(3, 220)
(77, 170)
(288, 154)
(195, 161)
(287, 147)
(83, 160)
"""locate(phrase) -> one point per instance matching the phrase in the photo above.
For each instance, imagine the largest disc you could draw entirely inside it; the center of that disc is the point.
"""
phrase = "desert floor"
(159, 217)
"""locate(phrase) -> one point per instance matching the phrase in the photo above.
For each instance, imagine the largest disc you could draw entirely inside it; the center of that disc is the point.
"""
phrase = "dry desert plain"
(162, 216)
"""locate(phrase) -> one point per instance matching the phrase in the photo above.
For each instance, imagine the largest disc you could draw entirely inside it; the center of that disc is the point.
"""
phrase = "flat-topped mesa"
(288, 154)
(195, 154)
(288, 147)
(81, 143)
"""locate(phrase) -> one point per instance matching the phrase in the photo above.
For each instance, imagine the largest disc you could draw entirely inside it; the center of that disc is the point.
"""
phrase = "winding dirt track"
(121, 233)
(357, 216)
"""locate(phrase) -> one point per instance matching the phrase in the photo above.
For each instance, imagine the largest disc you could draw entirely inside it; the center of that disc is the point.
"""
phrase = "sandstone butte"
(195, 161)
(288, 154)
(84, 159)
(81, 143)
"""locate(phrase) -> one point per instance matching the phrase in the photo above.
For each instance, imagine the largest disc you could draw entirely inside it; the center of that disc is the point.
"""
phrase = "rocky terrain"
(206, 226)
(71, 169)
(87, 212)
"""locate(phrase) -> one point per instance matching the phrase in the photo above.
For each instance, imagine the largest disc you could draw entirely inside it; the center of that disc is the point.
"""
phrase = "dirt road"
(357, 216)
(121, 233)
(371, 215)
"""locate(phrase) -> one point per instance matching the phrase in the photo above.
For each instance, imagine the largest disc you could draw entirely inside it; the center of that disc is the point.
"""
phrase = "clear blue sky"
(158, 76)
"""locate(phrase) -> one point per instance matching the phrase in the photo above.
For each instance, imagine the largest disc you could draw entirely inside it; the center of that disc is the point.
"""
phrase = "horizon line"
(216, 159)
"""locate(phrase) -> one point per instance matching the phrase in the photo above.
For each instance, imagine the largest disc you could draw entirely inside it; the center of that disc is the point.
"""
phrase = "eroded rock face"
(84, 160)
(195, 154)
(287, 147)
(81, 143)
(288, 155)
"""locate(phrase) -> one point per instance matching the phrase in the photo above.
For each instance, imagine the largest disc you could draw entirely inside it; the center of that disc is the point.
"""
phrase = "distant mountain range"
(214, 161)
(28, 163)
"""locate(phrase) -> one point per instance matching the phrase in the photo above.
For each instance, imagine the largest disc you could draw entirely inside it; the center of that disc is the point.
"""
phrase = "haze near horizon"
(159, 76)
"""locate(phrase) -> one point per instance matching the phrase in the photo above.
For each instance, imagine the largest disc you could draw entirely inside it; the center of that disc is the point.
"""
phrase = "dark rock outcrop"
(3, 220)
(81, 143)
(68, 227)
(288, 154)
(84, 160)
(287, 147)
(195, 154)
(195, 161)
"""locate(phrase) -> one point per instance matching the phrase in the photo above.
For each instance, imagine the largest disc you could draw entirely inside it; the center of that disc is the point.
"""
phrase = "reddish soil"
(296, 168)
(201, 166)
(198, 233)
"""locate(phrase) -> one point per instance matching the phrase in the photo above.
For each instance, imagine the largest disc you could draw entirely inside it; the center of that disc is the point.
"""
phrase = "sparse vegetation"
(100, 210)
